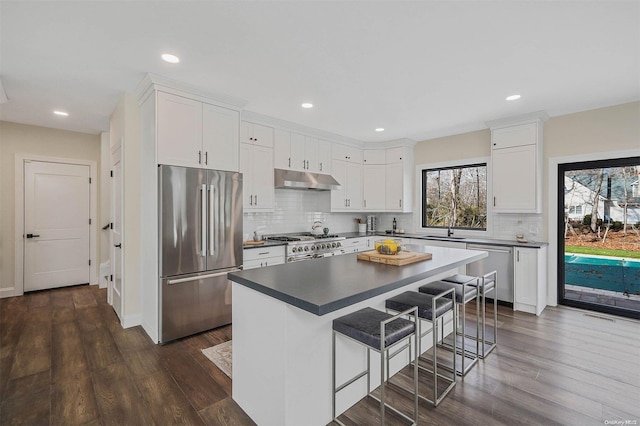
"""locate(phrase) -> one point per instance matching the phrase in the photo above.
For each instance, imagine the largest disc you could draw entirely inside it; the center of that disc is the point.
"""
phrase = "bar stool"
(381, 332)
(464, 293)
(487, 283)
(431, 309)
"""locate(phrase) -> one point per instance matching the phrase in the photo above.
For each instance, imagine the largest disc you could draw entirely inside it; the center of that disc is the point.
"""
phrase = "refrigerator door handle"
(203, 224)
(211, 219)
(202, 277)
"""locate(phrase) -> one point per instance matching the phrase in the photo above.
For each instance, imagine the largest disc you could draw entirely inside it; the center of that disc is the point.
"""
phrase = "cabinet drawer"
(263, 253)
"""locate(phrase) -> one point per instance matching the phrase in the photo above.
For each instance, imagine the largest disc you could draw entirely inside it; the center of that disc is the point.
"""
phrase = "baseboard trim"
(131, 320)
(9, 292)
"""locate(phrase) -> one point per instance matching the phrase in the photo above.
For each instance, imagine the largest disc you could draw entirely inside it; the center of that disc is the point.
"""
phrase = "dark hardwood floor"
(65, 360)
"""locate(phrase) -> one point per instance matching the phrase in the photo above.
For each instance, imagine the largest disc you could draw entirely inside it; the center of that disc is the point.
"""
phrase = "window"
(455, 197)
(575, 210)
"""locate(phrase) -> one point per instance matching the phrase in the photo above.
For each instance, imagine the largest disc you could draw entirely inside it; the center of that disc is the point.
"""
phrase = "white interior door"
(114, 291)
(56, 249)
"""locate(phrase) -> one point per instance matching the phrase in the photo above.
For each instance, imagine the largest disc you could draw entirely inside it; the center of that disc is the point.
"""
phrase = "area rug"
(220, 355)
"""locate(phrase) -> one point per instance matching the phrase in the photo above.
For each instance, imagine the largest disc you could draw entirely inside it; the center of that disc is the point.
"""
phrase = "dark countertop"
(266, 244)
(331, 283)
(466, 240)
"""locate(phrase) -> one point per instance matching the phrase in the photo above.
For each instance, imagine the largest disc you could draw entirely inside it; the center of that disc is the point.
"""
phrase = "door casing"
(20, 158)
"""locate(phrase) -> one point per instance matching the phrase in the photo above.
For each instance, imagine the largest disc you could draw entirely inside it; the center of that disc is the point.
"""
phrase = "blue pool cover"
(607, 273)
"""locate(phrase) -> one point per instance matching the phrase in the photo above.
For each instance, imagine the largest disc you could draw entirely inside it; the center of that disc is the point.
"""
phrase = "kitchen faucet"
(449, 231)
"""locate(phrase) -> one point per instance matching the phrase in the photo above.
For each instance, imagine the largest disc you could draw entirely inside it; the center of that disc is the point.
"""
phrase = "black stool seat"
(462, 279)
(424, 302)
(364, 326)
(438, 287)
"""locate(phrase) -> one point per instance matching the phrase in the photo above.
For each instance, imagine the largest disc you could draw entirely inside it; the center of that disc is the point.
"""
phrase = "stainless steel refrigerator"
(200, 242)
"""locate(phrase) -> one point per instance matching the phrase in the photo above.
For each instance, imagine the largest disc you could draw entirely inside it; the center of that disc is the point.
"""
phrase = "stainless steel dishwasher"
(500, 259)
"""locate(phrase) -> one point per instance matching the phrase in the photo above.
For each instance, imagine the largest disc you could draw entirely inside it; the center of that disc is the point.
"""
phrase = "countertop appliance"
(200, 233)
(308, 246)
(500, 259)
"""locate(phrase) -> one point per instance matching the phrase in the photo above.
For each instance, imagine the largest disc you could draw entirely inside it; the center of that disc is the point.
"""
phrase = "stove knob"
(324, 246)
(306, 248)
(293, 250)
(333, 245)
(338, 244)
(313, 247)
(290, 259)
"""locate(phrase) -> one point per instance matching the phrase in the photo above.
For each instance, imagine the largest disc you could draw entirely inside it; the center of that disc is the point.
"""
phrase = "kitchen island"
(282, 322)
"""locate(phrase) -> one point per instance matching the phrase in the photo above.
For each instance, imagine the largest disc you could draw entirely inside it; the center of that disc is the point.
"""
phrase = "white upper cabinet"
(349, 196)
(324, 157)
(516, 165)
(293, 151)
(179, 124)
(399, 179)
(374, 187)
(256, 134)
(347, 153)
(282, 149)
(220, 137)
(374, 156)
(191, 133)
(256, 165)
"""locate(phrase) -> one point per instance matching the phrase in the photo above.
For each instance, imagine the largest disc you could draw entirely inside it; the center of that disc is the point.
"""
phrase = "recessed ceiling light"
(307, 105)
(61, 113)
(513, 98)
(380, 129)
(172, 59)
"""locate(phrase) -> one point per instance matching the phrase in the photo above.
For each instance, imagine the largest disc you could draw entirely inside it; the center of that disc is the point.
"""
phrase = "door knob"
(32, 235)
(118, 245)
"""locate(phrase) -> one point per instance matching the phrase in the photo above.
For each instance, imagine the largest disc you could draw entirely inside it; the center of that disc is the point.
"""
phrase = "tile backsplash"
(295, 211)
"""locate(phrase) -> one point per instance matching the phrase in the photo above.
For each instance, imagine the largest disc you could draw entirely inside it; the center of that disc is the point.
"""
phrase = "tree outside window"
(455, 197)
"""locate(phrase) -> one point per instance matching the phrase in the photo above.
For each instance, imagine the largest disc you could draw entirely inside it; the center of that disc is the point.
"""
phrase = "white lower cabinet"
(263, 256)
(355, 245)
(530, 279)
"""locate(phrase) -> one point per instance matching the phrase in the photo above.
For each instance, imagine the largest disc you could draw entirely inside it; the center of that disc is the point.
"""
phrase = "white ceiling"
(419, 69)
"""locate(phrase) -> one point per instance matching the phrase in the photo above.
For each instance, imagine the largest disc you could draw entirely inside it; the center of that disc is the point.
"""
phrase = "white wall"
(39, 141)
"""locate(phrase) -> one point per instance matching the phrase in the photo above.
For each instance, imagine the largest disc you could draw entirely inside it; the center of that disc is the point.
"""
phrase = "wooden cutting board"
(400, 259)
(253, 243)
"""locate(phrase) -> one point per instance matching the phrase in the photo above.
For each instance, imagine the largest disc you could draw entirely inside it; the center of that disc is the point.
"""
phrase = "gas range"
(308, 246)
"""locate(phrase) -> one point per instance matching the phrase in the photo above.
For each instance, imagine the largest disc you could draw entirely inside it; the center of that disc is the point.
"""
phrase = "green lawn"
(601, 251)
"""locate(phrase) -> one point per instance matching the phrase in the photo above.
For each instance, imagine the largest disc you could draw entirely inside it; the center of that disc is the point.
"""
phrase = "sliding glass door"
(599, 235)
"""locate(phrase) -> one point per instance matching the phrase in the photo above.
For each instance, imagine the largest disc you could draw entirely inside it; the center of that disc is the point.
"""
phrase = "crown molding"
(537, 116)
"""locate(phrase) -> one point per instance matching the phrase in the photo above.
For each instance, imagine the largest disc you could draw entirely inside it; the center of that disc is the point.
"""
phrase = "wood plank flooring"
(65, 360)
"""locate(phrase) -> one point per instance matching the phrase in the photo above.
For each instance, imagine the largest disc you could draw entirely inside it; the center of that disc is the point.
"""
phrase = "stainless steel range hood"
(292, 179)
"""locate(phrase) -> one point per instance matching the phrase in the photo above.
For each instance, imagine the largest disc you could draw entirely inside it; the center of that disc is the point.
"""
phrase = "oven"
(308, 246)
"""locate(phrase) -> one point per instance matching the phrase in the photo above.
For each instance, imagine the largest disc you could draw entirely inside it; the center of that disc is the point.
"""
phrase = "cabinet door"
(245, 167)
(282, 149)
(298, 161)
(526, 278)
(220, 137)
(374, 187)
(354, 187)
(339, 196)
(398, 154)
(263, 187)
(514, 179)
(311, 154)
(394, 187)
(262, 135)
(374, 156)
(525, 134)
(324, 157)
(179, 124)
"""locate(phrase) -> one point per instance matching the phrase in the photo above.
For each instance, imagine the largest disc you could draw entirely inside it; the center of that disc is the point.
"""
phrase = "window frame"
(442, 231)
